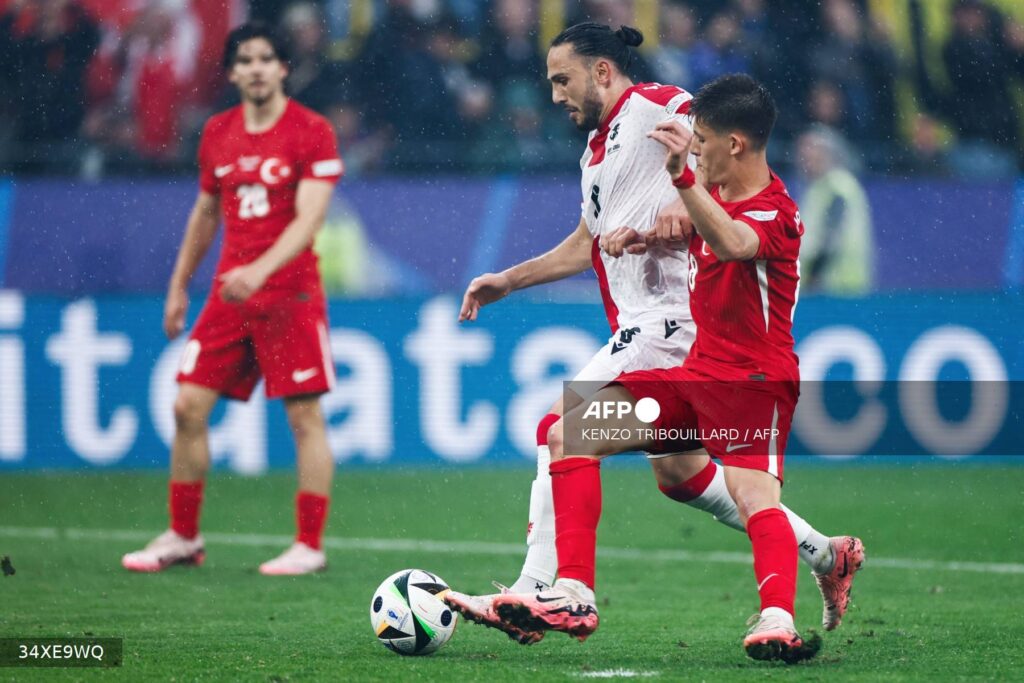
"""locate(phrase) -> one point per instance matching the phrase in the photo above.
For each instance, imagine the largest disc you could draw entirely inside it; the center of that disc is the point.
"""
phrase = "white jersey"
(625, 183)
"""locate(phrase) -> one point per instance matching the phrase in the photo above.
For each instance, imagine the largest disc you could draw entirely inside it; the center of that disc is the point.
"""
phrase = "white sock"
(778, 612)
(718, 502)
(814, 547)
(541, 562)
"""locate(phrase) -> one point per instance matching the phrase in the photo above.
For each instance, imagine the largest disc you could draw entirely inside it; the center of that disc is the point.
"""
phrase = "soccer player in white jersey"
(646, 299)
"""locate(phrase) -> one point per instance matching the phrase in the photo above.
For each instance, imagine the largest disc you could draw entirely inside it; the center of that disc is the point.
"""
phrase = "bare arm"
(729, 239)
(311, 201)
(199, 233)
(570, 257)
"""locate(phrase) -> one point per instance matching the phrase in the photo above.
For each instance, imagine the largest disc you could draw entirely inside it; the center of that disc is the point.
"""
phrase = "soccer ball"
(407, 614)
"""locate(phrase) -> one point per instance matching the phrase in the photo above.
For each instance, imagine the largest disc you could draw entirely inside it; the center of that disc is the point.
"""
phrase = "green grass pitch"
(677, 614)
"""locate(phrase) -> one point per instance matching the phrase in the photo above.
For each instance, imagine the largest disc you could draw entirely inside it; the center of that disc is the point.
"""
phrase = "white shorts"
(658, 343)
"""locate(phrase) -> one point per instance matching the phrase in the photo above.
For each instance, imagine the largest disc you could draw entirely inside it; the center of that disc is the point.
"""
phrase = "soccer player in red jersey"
(268, 168)
(737, 388)
(646, 297)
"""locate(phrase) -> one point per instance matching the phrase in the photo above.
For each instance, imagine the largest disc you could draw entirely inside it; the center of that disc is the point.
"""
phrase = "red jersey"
(744, 309)
(257, 176)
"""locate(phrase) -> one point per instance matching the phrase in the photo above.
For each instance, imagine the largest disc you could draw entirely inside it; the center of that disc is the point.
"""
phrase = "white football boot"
(166, 550)
(298, 559)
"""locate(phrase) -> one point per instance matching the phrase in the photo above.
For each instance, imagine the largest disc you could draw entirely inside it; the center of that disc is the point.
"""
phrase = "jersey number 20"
(252, 201)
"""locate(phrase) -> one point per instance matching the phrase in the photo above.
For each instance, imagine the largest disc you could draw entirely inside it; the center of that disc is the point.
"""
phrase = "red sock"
(310, 514)
(692, 487)
(544, 425)
(775, 558)
(184, 502)
(576, 491)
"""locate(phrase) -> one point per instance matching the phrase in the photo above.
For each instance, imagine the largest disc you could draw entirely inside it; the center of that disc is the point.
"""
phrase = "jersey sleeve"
(679, 108)
(778, 228)
(674, 99)
(671, 102)
(208, 181)
(322, 161)
(668, 103)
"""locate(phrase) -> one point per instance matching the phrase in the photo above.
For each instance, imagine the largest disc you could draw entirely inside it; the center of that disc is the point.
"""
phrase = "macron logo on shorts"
(300, 376)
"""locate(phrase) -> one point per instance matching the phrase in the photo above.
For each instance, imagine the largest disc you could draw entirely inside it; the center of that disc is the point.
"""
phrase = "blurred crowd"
(95, 87)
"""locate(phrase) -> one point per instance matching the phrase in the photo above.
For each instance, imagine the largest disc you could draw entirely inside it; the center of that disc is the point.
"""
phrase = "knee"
(678, 469)
(666, 473)
(305, 422)
(556, 441)
(190, 413)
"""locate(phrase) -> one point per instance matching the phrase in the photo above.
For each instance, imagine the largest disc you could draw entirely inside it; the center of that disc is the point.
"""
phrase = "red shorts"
(284, 340)
(741, 423)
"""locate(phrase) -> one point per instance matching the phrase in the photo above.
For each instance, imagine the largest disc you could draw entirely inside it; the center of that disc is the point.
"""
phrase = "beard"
(590, 110)
(258, 100)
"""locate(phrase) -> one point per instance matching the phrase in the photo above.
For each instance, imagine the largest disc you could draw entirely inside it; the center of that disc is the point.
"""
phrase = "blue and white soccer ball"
(407, 614)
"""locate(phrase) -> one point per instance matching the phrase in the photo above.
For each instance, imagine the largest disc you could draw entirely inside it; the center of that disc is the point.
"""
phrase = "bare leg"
(315, 472)
(190, 452)
(190, 461)
(757, 495)
(314, 461)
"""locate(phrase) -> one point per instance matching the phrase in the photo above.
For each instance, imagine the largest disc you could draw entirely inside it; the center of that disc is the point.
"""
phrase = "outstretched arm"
(570, 257)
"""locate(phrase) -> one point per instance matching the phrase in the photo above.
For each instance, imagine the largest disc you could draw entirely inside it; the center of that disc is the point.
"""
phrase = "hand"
(673, 227)
(241, 282)
(677, 139)
(174, 312)
(624, 240)
(483, 290)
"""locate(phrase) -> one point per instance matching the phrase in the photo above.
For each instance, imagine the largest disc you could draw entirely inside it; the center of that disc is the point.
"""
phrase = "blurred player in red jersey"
(268, 166)
(741, 373)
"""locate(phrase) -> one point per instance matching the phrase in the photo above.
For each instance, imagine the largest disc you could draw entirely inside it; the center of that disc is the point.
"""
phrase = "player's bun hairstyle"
(253, 29)
(591, 39)
(736, 102)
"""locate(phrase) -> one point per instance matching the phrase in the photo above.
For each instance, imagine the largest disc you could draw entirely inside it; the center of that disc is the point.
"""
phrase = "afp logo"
(647, 410)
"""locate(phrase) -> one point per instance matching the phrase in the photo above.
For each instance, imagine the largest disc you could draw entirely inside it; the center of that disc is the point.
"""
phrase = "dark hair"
(253, 29)
(591, 39)
(736, 102)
